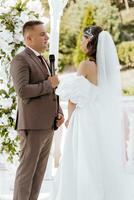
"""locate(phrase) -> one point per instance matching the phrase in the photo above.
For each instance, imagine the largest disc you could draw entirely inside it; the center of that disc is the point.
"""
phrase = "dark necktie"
(44, 62)
(41, 59)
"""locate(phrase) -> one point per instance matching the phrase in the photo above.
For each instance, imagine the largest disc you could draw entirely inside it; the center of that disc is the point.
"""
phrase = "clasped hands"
(54, 81)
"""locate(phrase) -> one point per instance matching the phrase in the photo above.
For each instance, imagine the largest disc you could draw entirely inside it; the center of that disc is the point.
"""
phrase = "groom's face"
(37, 38)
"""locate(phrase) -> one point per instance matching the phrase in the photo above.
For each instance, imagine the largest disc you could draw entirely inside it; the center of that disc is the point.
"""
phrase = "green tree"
(69, 30)
(126, 53)
(88, 19)
(107, 16)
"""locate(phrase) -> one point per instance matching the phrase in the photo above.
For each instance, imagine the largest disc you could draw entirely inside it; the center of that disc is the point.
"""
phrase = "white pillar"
(56, 11)
(126, 5)
(54, 37)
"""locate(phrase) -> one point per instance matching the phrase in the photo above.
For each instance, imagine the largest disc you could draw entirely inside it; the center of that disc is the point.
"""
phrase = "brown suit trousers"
(35, 147)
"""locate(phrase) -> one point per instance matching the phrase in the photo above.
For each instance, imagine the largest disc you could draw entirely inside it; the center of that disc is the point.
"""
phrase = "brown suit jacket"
(36, 99)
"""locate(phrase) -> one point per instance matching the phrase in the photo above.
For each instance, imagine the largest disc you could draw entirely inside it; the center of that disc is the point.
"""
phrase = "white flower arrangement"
(13, 14)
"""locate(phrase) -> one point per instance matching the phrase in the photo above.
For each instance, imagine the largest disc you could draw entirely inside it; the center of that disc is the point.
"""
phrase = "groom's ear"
(28, 36)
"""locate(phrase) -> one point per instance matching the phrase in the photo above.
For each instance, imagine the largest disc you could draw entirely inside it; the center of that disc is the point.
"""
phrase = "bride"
(92, 165)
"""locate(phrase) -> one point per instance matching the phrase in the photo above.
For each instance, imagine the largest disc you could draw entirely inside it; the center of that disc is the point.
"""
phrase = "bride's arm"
(82, 70)
(71, 108)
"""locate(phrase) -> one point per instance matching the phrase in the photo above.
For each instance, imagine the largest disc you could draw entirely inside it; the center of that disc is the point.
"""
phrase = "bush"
(107, 16)
(126, 53)
(128, 91)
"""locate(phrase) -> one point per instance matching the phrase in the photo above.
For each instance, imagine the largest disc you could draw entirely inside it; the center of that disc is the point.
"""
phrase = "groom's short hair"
(30, 24)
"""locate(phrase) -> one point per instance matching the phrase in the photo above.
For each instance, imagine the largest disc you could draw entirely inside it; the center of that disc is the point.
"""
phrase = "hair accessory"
(88, 33)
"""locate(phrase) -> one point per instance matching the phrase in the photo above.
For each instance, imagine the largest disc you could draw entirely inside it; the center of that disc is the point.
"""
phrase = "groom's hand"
(54, 81)
(60, 120)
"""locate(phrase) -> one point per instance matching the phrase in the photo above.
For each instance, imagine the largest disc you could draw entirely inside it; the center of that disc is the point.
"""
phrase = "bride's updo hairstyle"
(92, 32)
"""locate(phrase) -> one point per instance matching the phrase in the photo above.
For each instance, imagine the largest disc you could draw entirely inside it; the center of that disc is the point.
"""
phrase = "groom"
(37, 105)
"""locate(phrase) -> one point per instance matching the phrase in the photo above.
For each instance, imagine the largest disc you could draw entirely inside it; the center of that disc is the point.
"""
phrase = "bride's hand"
(66, 123)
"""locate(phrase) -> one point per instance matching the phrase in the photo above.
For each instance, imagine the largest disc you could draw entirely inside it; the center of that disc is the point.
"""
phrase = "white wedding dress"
(92, 164)
(82, 173)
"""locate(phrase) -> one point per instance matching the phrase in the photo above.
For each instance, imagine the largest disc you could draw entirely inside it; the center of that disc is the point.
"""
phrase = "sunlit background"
(115, 16)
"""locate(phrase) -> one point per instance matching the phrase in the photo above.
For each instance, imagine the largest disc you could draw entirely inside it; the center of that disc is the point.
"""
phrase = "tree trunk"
(126, 4)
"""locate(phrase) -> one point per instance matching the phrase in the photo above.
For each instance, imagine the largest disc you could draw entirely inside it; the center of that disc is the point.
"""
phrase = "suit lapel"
(36, 60)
